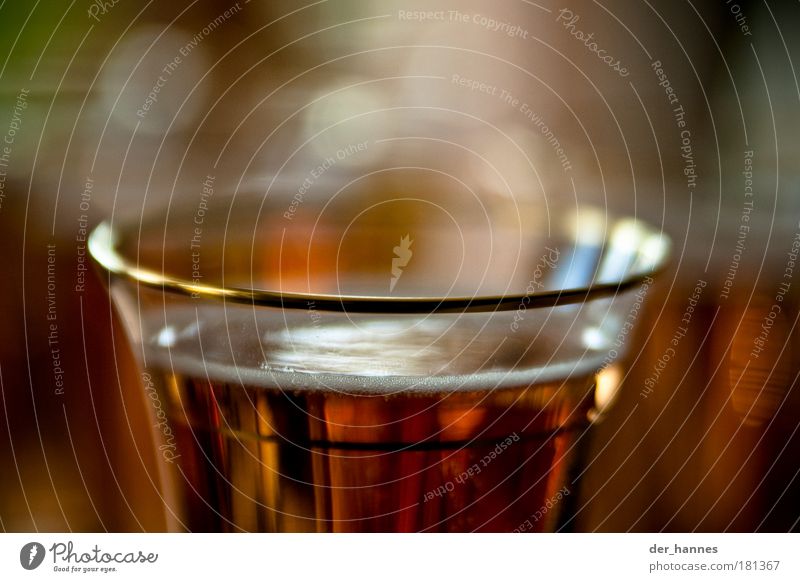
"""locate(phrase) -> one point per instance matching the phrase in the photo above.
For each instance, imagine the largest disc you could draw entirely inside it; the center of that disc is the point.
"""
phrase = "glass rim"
(102, 246)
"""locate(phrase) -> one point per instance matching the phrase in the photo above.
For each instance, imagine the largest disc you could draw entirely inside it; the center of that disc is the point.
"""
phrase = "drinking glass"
(383, 360)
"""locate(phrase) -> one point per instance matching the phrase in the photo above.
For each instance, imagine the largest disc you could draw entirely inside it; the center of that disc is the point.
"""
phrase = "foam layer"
(373, 355)
(375, 385)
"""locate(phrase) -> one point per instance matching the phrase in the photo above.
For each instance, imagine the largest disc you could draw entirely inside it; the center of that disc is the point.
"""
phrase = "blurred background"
(682, 113)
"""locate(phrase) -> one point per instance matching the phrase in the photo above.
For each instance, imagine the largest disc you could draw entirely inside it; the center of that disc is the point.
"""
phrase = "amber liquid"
(256, 459)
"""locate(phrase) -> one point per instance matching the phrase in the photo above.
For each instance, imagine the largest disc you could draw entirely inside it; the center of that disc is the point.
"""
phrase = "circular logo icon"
(31, 555)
